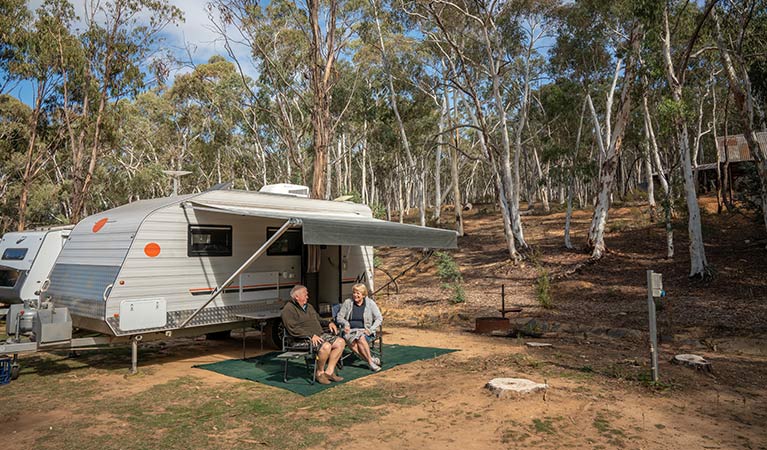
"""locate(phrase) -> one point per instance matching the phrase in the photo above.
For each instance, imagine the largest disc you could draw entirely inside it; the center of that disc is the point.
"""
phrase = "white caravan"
(209, 262)
(26, 259)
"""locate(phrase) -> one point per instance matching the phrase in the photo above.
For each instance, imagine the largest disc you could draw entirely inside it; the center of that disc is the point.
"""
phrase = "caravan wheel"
(15, 368)
(275, 331)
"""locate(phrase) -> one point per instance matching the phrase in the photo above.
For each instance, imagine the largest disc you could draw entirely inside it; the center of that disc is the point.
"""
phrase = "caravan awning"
(338, 229)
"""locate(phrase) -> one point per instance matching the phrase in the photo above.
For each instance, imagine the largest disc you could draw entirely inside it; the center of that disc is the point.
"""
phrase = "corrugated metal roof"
(737, 147)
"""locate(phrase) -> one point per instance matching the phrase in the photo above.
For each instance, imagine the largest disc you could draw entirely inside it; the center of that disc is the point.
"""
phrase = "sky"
(195, 36)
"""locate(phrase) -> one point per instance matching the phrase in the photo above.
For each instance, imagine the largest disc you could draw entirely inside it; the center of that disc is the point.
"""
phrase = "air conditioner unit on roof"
(295, 190)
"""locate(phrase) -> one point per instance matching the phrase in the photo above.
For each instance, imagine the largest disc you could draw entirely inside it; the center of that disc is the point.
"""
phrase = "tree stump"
(694, 361)
(513, 387)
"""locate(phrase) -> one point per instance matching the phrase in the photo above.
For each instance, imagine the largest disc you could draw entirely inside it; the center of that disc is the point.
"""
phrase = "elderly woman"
(359, 318)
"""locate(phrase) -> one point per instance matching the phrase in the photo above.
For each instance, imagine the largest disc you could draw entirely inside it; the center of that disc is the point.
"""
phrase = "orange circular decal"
(152, 249)
(100, 224)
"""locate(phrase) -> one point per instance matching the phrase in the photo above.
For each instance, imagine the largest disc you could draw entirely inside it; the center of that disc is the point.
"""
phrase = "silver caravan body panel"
(91, 260)
(138, 269)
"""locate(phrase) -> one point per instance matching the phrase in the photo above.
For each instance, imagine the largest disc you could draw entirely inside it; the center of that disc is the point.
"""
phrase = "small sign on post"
(657, 284)
(654, 289)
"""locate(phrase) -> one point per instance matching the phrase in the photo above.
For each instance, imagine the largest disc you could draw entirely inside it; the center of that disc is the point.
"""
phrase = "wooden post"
(503, 301)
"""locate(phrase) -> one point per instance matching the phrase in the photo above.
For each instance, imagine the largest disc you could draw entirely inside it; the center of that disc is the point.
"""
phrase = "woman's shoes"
(374, 367)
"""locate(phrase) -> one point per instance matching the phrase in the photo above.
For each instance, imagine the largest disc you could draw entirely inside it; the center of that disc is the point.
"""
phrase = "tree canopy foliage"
(399, 103)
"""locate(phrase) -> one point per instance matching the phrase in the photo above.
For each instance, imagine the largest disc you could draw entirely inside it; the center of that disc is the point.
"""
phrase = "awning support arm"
(289, 224)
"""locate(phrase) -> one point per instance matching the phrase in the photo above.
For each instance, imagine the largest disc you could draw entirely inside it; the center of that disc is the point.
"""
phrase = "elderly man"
(301, 319)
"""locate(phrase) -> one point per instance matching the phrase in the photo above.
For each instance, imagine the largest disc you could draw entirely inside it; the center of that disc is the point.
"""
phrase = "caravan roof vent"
(295, 190)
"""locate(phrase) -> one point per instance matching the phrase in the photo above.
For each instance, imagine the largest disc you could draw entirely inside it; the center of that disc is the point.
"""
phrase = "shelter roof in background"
(737, 147)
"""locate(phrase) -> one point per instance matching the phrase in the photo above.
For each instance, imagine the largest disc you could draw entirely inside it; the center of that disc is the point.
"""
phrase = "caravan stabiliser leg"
(15, 367)
(134, 353)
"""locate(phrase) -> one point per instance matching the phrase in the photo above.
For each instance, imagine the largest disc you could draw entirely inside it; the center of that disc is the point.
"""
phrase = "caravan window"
(210, 240)
(15, 254)
(8, 277)
(288, 244)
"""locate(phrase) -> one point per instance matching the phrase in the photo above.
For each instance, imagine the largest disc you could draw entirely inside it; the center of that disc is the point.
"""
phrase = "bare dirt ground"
(598, 367)
(600, 392)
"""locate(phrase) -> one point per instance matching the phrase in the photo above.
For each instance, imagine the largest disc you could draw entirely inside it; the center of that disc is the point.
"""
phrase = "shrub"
(449, 272)
(447, 269)
(543, 288)
(459, 296)
(379, 210)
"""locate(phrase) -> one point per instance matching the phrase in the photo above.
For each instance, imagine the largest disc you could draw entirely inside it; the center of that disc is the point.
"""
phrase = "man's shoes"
(334, 377)
(374, 367)
(323, 379)
(376, 360)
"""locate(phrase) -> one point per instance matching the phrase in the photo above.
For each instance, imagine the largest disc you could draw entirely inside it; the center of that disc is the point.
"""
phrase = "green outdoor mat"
(268, 369)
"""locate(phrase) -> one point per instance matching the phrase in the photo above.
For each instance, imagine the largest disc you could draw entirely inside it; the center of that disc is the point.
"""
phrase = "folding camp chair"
(376, 345)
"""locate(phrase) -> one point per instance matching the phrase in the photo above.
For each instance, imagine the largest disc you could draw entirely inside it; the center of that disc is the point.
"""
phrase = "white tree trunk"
(364, 193)
(328, 174)
(698, 263)
(418, 178)
(456, 192)
(650, 182)
(571, 178)
(599, 219)
(422, 195)
(609, 167)
(373, 198)
(400, 197)
(438, 159)
(542, 178)
(648, 158)
(511, 183)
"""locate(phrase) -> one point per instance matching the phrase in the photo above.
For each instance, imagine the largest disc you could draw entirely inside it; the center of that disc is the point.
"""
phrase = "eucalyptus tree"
(149, 142)
(740, 30)
(455, 37)
(14, 119)
(592, 32)
(15, 19)
(279, 99)
(411, 168)
(653, 159)
(106, 64)
(562, 145)
(318, 32)
(33, 57)
(676, 72)
(482, 43)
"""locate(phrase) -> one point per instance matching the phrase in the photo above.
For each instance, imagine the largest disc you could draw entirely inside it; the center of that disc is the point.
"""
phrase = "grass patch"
(508, 436)
(183, 413)
(543, 426)
(613, 435)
